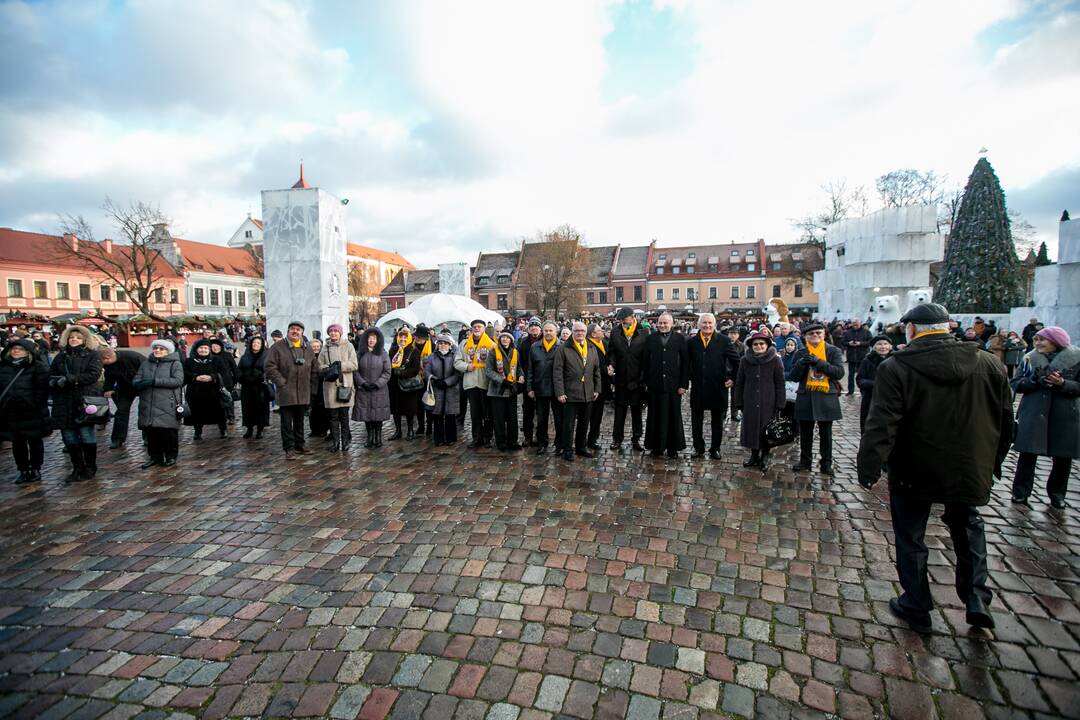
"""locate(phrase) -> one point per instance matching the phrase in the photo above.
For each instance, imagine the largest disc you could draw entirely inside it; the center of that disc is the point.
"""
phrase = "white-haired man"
(576, 376)
(714, 363)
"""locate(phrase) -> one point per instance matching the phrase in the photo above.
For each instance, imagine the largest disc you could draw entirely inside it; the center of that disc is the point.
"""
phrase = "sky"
(456, 127)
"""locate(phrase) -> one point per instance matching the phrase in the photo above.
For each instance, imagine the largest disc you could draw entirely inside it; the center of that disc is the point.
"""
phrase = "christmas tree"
(1043, 258)
(981, 273)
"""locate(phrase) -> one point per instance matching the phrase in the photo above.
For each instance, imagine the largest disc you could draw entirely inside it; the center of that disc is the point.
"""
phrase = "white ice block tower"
(1057, 287)
(884, 253)
(305, 258)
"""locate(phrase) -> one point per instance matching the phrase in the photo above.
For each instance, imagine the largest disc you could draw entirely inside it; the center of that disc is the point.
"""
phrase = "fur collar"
(1066, 358)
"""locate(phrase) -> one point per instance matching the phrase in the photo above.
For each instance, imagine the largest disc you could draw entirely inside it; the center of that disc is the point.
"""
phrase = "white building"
(250, 232)
(1057, 286)
(219, 281)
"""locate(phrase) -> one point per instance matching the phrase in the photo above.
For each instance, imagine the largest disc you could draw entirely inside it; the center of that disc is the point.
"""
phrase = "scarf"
(510, 373)
(705, 339)
(399, 356)
(599, 346)
(297, 343)
(549, 345)
(473, 348)
(425, 351)
(816, 381)
(630, 333)
(583, 350)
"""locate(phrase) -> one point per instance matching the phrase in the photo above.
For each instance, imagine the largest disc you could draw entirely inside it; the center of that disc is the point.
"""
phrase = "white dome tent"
(438, 309)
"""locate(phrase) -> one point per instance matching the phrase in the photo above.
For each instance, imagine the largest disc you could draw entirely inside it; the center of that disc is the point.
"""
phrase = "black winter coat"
(710, 368)
(254, 388)
(626, 357)
(81, 369)
(857, 344)
(665, 368)
(818, 406)
(759, 394)
(204, 398)
(942, 419)
(228, 367)
(864, 378)
(118, 375)
(540, 378)
(24, 410)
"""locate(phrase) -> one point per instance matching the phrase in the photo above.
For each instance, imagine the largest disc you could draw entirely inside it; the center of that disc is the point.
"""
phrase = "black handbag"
(411, 384)
(94, 411)
(343, 394)
(779, 431)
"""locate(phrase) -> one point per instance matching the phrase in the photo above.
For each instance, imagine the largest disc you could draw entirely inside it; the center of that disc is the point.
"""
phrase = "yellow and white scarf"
(510, 373)
(816, 381)
(399, 356)
(473, 348)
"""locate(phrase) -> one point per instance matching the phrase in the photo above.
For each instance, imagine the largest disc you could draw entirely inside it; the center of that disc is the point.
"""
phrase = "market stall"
(139, 331)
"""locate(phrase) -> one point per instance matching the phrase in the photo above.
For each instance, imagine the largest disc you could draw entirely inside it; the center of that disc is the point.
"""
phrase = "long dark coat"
(292, 382)
(710, 368)
(540, 378)
(604, 356)
(864, 378)
(402, 402)
(228, 364)
(627, 356)
(665, 369)
(204, 398)
(82, 370)
(254, 392)
(818, 406)
(374, 367)
(573, 378)
(118, 375)
(159, 384)
(857, 344)
(441, 367)
(759, 394)
(1048, 421)
(24, 411)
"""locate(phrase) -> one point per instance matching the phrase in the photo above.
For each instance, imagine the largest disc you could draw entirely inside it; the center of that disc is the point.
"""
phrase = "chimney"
(107, 244)
(71, 241)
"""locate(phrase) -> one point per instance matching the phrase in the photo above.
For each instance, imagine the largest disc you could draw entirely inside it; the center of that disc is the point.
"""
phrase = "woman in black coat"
(759, 395)
(228, 376)
(867, 372)
(24, 407)
(254, 391)
(76, 373)
(203, 375)
(404, 370)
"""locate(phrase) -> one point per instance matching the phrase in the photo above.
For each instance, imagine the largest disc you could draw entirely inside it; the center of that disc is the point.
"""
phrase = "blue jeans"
(84, 434)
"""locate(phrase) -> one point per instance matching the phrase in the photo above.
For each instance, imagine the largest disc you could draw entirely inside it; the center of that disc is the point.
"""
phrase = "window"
(482, 299)
(659, 293)
(41, 290)
(241, 298)
(750, 253)
(14, 288)
(798, 291)
(776, 291)
(247, 233)
(215, 296)
(503, 279)
(750, 267)
(619, 294)
(675, 270)
(638, 293)
(228, 298)
(776, 266)
(200, 296)
(690, 268)
(105, 292)
(120, 295)
(674, 293)
(603, 297)
(174, 296)
(503, 305)
(734, 292)
(84, 291)
(63, 291)
(691, 255)
(159, 295)
(659, 270)
(589, 298)
(751, 292)
(712, 293)
(714, 267)
(734, 253)
(262, 299)
(661, 257)
(690, 294)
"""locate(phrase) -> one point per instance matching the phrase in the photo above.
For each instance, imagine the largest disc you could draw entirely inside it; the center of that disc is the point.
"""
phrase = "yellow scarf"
(930, 332)
(549, 345)
(816, 381)
(298, 343)
(630, 333)
(583, 350)
(399, 356)
(473, 347)
(510, 373)
(599, 346)
(705, 339)
(425, 351)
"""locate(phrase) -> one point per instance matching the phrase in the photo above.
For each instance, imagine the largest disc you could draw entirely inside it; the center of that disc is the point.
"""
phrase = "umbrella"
(391, 321)
(438, 309)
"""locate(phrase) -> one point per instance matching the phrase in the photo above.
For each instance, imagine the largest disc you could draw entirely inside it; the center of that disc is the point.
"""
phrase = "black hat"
(297, 323)
(886, 338)
(623, 313)
(276, 333)
(811, 327)
(926, 314)
(422, 331)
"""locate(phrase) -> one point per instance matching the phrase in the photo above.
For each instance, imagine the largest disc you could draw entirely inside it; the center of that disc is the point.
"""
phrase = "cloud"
(1042, 201)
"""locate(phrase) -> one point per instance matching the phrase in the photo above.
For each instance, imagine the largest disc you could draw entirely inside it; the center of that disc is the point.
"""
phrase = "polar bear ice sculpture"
(885, 312)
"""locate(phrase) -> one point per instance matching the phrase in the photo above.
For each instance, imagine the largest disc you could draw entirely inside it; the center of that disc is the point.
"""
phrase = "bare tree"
(840, 202)
(132, 262)
(554, 269)
(364, 285)
(1024, 235)
(257, 266)
(910, 187)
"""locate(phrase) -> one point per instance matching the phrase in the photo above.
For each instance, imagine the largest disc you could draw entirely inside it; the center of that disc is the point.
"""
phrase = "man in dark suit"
(626, 347)
(541, 385)
(666, 375)
(528, 403)
(576, 376)
(713, 365)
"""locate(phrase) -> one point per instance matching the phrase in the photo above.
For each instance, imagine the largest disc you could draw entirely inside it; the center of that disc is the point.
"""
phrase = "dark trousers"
(730, 392)
(909, 517)
(852, 368)
(574, 438)
(292, 426)
(122, 418)
(528, 411)
(339, 424)
(444, 429)
(480, 412)
(806, 441)
(463, 403)
(596, 416)
(548, 407)
(29, 453)
(162, 443)
(1056, 485)
(697, 427)
(504, 420)
(636, 427)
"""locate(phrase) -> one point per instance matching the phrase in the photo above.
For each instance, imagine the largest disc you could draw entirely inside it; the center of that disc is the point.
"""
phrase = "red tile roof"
(386, 256)
(258, 223)
(207, 257)
(17, 246)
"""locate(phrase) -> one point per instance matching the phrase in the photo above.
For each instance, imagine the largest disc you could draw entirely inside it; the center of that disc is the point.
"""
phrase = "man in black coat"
(528, 404)
(596, 409)
(942, 418)
(540, 380)
(1029, 333)
(714, 364)
(856, 343)
(626, 348)
(665, 372)
(120, 369)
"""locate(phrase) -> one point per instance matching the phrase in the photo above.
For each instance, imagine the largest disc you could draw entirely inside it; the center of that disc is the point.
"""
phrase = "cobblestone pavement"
(443, 583)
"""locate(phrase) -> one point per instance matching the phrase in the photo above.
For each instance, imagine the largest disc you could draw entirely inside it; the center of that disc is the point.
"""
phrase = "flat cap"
(297, 323)
(811, 327)
(926, 314)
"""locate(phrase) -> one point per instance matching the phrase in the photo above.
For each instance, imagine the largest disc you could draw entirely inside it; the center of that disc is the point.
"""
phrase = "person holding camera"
(1048, 421)
(76, 373)
(161, 402)
(289, 365)
(337, 363)
(24, 406)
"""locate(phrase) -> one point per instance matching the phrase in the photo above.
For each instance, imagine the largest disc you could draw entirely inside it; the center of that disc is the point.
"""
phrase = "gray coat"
(818, 406)
(373, 367)
(575, 379)
(441, 367)
(495, 378)
(1048, 421)
(344, 353)
(159, 384)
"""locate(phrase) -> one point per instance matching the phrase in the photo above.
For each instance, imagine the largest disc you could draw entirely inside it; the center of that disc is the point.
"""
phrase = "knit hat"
(623, 313)
(169, 347)
(507, 333)
(1056, 335)
(535, 322)
(445, 337)
(332, 327)
(877, 338)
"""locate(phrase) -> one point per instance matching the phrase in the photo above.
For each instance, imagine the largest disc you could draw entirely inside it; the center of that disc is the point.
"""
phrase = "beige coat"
(342, 351)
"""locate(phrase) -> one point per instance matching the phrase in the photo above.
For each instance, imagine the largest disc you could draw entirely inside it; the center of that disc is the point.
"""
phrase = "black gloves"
(439, 383)
(58, 381)
(369, 386)
(507, 386)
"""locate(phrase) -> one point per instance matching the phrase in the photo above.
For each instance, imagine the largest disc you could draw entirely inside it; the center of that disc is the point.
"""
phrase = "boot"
(346, 435)
(198, 432)
(335, 437)
(76, 455)
(370, 441)
(754, 461)
(259, 432)
(764, 464)
(377, 435)
(411, 433)
(223, 431)
(250, 431)
(89, 470)
(24, 477)
(397, 428)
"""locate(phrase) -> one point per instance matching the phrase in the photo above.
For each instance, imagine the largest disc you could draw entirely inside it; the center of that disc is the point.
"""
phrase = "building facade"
(790, 274)
(707, 278)
(219, 281)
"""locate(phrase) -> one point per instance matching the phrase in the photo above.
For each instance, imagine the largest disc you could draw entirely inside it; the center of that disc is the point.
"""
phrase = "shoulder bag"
(779, 431)
(94, 410)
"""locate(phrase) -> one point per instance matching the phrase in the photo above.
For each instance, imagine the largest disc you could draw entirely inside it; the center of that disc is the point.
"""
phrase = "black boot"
(259, 432)
(763, 465)
(378, 435)
(411, 433)
(23, 477)
(346, 435)
(335, 437)
(250, 431)
(198, 432)
(223, 431)
(397, 428)
(370, 441)
(89, 470)
(76, 455)
(754, 461)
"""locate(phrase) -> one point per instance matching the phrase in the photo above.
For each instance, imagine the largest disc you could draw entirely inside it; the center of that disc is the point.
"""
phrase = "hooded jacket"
(942, 418)
(159, 384)
(24, 410)
(81, 370)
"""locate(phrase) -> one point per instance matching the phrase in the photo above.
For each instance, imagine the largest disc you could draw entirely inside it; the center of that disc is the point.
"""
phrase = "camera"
(298, 361)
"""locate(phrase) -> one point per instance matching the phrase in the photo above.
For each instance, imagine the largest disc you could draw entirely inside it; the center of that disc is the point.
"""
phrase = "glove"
(72, 379)
(507, 386)
(59, 381)
(371, 386)
(439, 383)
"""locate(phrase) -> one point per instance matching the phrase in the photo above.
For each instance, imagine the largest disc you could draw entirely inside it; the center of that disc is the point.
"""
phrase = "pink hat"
(331, 328)
(1056, 335)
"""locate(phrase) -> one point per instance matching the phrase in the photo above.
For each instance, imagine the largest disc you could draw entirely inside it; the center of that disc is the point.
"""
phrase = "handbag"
(778, 431)
(343, 394)
(791, 390)
(94, 411)
(428, 398)
(410, 384)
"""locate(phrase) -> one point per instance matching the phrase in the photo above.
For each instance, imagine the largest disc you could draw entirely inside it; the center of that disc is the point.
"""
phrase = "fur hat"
(90, 340)
(162, 343)
(334, 326)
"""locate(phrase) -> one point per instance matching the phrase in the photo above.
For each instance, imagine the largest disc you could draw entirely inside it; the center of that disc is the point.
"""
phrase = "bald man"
(666, 374)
